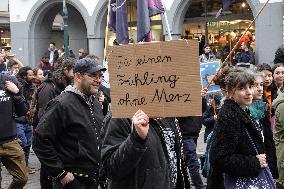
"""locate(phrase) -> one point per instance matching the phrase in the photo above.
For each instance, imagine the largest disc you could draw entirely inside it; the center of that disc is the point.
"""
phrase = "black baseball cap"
(87, 65)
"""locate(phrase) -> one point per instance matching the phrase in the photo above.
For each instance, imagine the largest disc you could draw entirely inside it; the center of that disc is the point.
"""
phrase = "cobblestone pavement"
(33, 182)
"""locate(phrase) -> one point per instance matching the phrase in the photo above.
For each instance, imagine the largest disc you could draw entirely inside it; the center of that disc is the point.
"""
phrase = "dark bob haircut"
(263, 67)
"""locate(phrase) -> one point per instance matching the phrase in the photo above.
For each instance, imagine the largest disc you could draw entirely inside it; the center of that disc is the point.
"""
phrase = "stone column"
(96, 47)
(269, 32)
(19, 43)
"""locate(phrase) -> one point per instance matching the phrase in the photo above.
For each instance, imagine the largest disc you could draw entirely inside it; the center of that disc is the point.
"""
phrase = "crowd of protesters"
(62, 111)
(26, 98)
(246, 125)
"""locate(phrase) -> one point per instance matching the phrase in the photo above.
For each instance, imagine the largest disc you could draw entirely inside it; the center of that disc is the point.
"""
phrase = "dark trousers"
(45, 182)
(77, 183)
(0, 173)
(189, 146)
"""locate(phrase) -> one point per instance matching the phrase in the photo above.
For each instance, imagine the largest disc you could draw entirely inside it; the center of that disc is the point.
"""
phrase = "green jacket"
(278, 105)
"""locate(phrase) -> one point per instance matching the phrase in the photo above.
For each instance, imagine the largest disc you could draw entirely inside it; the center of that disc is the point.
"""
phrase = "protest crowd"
(62, 111)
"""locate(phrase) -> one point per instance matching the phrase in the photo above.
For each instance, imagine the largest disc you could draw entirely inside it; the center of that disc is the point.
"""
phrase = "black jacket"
(231, 151)
(190, 126)
(245, 57)
(55, 56)
(107, 101)
(48, 90)
(28, 89)
(208, 122)
(68, 135)
(131, 163)
(10, 104)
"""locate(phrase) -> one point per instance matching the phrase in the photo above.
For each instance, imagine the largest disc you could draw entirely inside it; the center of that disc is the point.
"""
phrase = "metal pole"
(107, 33)
(167, 21)
(65, 27)
(168, 26)
(206, 26)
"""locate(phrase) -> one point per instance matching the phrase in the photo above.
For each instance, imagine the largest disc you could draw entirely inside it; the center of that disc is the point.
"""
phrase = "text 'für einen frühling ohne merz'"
(147, 79)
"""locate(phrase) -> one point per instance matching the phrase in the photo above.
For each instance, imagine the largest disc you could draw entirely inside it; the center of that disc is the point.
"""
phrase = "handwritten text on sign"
(161, 78)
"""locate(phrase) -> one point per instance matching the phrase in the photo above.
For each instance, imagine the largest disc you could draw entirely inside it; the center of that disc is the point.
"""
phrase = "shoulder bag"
(263, 181)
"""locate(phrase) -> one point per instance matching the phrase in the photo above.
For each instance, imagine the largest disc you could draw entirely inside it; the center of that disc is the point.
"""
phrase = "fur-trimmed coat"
(232, 152)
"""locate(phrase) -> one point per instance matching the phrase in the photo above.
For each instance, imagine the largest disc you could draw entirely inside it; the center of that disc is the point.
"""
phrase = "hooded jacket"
(49, 89)
(67, 137)
(10, 104)
(278, 105)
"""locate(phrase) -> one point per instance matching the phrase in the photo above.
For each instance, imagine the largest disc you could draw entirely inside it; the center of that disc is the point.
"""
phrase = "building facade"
(5, 35)
(32, 22)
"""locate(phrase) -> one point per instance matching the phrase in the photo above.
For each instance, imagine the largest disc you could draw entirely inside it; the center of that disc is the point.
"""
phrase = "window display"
(222, 33)
(5, 39)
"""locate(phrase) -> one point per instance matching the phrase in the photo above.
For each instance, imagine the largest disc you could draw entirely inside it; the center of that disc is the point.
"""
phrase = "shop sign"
(218, 23)
(161, 78)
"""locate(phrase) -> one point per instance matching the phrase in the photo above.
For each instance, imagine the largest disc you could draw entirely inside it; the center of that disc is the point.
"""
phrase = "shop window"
(5, 39)
(222, 33)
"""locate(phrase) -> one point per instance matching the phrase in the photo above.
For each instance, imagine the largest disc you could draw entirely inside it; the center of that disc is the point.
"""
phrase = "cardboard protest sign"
(207, 73)
(162, 79)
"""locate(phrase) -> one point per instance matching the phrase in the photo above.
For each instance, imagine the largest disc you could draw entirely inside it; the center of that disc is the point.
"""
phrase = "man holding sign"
(144, 153)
